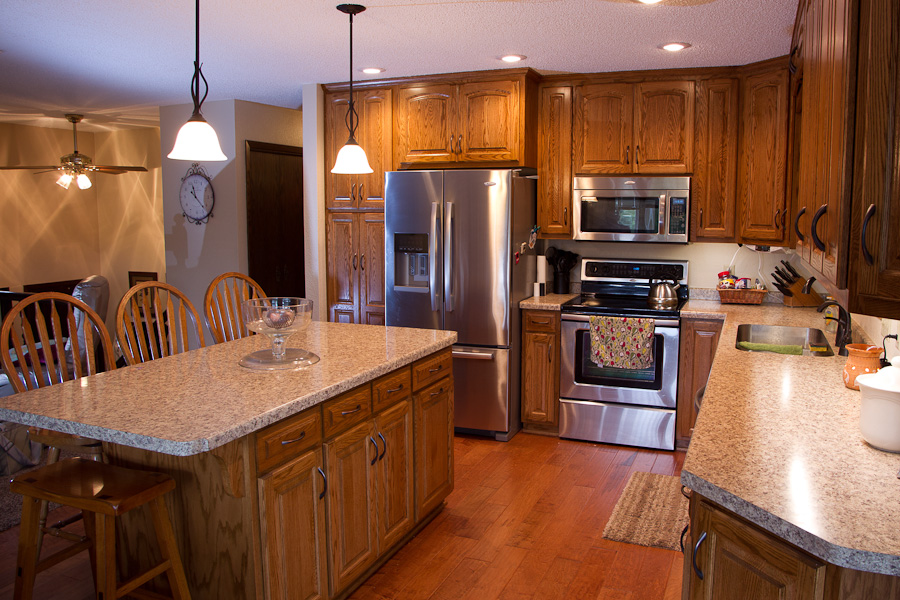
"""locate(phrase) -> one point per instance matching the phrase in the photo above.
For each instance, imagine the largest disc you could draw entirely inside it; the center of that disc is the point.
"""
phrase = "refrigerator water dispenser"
(411, 262)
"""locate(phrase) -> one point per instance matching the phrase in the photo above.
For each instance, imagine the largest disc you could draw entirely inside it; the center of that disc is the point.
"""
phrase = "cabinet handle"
(870, 212)
(395, 390)
(800, 213)
(383, 441)
(701, 218)
(782, 213)
(353, 193)
(627, 155)
(324, 482)
(540, 321)
(459, 144)
(566, 215)
(361, 196)
(550, 353)
(358, 408)
(437, 393)
(286, 442)
(374, 443)
(451, 143)
(354, 260)
(815, 224)
(694, 556)
(439, 367)
(362, 262)
(637, 155)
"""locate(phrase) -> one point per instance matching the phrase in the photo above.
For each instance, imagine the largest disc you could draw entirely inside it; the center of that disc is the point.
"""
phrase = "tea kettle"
(664, 293)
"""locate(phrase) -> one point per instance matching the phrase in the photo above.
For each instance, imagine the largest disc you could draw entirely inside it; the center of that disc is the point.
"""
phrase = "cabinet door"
(292, 529)
(340, 189)
(714, 184)
(425, 121)
(375, 135)
(664, 127)
(697, 348)
(603, 128)
(371, 268)
(434, 445)
(763, 162)
(540, 378)
(394, 429)
(735, 555)
(351, 459)
(554, 199)
(343, 266)
(487, 127)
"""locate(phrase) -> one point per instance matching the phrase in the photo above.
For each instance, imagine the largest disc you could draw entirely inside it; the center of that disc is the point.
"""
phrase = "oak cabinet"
(714, 184)
(433, 408)
(762, 193)
(394, 476)
(540, 369)
(374, 134)
(697, 348)
(554, 185)
(355, 255)
(645, 127)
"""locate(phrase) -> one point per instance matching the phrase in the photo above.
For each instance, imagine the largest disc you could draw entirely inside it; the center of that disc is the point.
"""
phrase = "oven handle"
(587, 319)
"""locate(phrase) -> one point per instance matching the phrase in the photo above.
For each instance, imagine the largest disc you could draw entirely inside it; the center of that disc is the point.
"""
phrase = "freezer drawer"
(481, 388)
(617, 424)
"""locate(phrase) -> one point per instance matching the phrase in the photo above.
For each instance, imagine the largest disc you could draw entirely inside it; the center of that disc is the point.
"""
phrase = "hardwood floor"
(525, 521)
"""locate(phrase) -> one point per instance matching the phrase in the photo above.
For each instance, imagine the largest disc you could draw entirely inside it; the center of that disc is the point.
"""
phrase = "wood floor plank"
(595, 569)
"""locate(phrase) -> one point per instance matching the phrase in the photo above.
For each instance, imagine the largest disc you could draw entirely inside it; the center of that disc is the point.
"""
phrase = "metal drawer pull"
(439, 367)
(437, 393)
(550, 353)
(870, 212)
(459, 145)
(362, 262)
(395, 390)
(358, 408)
(694, 556)
(799, 233)
(627, 153)
(815, 224)
(383, 441)
(286, 442)
(474, 355)
(324, 482)
(374, 443)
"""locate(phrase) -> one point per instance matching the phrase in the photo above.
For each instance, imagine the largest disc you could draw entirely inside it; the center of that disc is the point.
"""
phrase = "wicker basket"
(741, 296)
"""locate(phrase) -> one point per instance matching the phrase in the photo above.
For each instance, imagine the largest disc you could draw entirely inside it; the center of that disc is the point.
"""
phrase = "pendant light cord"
(198, 72)
(352, 118)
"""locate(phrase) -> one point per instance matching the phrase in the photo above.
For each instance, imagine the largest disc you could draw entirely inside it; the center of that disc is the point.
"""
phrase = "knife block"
(799, 298)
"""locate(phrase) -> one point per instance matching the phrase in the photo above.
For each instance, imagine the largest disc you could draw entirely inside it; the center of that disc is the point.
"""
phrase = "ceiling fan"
(76, 166)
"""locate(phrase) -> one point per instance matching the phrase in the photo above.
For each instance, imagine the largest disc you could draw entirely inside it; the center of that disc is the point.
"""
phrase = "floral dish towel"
(622, 342)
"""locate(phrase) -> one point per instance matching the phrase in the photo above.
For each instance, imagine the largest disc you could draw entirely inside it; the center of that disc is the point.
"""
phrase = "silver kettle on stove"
(663, 293)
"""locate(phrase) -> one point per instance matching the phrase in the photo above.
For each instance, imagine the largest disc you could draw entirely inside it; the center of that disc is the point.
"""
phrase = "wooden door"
(763, 158)
(540, 368)
(353, 545)
(602, 136)
(735, 555)
(375, 136)
(714, 184)
(292, 529)
(343, 267)
(434, 445)
(664, 127)
(554, 199)
(697, 348)
(275, 234)
(371, 268)
(487, 127)
(340, 189)
(396, 514)
(424, 124)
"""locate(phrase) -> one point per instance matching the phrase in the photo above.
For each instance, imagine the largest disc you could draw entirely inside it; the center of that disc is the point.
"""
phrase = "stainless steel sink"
(783, 340)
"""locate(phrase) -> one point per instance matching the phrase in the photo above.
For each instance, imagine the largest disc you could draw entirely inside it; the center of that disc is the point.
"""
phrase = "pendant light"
(197, 140)
(351, 159)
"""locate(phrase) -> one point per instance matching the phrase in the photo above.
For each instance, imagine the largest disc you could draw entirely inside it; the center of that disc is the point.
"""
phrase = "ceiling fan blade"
(115, 170)
(51, 167)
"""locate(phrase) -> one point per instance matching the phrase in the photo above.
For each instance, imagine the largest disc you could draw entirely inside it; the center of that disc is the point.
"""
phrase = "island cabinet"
(540, 370)
(432, 402)
(697, 348)
(554, 184)
(355, 259)
(645, 127)
(475, 119)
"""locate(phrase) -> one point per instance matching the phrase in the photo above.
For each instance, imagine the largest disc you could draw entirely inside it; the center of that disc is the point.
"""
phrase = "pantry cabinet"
(697, 348)
(355, 259)
(540, 369)
(554, 184)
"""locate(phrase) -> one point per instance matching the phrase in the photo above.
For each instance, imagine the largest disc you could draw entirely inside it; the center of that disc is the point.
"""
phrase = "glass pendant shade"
(197, 141)
(65, 180)
(83, 181)
(351, 160)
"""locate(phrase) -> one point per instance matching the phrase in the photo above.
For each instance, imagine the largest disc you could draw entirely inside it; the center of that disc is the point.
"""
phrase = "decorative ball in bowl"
(277, 318)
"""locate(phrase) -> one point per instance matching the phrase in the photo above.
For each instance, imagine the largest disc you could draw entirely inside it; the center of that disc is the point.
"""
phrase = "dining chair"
(37, 349)
(222, 305)
(155, 319)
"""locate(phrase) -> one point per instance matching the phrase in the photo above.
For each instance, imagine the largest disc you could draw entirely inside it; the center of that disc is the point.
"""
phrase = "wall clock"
(197, 197)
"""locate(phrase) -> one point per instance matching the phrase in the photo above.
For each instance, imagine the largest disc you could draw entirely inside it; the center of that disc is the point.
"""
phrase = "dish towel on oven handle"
(622, 342)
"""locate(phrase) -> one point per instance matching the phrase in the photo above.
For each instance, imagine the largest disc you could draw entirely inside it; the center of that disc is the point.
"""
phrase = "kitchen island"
(257, 456)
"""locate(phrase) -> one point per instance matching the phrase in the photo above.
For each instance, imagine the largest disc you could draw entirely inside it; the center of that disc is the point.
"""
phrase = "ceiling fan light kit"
(351, 158)
(197, 140)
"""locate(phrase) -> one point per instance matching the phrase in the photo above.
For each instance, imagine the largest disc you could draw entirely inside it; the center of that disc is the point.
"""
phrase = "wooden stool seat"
(102, 492)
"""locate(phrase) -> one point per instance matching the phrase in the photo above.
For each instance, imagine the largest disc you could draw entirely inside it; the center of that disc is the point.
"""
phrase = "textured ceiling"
(117, 61)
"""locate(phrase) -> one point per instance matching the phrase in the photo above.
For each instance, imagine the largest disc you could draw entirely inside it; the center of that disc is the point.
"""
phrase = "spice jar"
(862, 358)
(726, 281)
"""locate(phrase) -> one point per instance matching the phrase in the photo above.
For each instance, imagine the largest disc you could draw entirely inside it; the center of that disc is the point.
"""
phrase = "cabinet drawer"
(347, 409)
(543, 321)
(391, 388)
(288, 438)
(432, 368)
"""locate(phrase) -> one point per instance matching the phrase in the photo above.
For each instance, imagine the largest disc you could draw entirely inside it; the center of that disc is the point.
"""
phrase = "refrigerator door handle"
(432, 257)
(473, 355)
(449, 230)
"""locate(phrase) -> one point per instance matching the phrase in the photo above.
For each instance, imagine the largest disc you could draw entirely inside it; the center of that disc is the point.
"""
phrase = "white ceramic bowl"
(879, 411)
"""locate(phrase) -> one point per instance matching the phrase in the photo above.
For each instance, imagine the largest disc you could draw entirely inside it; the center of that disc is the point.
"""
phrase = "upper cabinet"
(645, 127)
(484, 121)
(554, 184)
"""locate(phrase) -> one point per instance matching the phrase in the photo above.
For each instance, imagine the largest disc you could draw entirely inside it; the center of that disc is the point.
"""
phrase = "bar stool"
(102, 492)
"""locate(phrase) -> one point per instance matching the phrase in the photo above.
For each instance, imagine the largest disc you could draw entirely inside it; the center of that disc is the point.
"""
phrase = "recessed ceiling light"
(512, 58)
(676, 46)
(372, 70)
(649, 1)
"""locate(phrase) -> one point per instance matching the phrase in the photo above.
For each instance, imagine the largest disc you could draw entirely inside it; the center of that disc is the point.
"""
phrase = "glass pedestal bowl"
(278, 318)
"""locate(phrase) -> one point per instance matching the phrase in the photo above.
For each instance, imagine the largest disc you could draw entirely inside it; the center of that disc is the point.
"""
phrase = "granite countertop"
(548, 302)
(202, 399)
(777, 442)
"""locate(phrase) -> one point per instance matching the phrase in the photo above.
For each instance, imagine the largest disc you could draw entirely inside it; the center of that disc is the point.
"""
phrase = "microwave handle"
(663, 215)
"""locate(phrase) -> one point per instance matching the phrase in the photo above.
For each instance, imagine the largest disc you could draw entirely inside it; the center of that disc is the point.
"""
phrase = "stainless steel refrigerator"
(451, 239)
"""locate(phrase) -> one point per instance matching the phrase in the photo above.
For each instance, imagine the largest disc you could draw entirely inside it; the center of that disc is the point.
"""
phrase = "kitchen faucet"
(843, 335)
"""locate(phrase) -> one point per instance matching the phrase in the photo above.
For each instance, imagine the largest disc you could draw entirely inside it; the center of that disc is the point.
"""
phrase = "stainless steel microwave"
(632, 209)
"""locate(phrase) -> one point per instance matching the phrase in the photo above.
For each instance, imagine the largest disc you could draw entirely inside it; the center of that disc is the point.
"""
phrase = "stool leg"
(105, 548)
(52, 457)
(27, 557)
(90, 530)
(169, 549)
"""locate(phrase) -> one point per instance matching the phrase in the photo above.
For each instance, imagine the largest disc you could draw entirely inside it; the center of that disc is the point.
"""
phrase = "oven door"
(581, 379)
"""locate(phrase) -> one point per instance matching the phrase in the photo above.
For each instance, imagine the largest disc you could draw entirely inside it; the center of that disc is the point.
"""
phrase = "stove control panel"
(623, 270)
